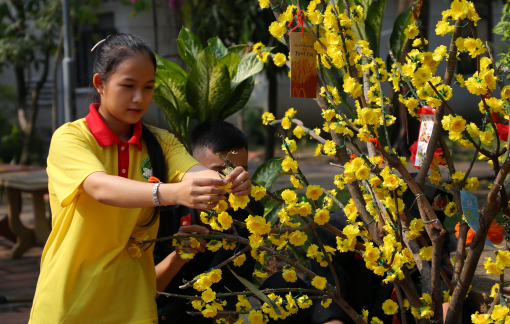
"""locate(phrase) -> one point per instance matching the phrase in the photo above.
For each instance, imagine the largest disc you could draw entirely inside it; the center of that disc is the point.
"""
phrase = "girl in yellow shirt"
(92, 269)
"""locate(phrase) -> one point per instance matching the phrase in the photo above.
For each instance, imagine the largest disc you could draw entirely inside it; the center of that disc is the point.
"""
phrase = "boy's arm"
(170, 266)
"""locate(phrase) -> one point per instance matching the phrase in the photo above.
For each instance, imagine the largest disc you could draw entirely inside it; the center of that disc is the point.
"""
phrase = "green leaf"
(271, 212)
(166, 65)
(170, 96)
(257, 292)
(208, 87)
(373, 24)
(237, 49)
(249, 65)
(398, 38)
(267, 173)
(216, 48)
(231, 60)
(188, 46)
(239, 98)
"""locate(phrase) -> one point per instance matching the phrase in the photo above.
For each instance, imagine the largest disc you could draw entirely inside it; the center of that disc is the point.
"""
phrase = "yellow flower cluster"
(219, 220)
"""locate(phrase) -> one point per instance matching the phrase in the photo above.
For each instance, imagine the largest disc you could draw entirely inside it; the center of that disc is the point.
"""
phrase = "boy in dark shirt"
(207, 140)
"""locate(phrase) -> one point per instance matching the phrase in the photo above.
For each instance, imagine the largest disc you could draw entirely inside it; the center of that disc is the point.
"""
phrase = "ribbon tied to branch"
(300, 15)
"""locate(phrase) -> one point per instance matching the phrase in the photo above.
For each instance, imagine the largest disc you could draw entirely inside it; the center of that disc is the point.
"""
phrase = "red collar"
(104, 135)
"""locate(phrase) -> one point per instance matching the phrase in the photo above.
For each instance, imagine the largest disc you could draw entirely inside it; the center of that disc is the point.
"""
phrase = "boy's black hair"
(108, 55)
(218, 135)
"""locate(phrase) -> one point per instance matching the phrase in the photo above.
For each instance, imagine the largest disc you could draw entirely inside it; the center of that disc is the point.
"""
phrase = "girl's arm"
(196, 188)
(126, 193)
(170, 266)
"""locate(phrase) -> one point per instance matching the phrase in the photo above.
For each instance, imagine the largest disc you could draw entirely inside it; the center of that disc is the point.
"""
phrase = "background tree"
(222, 19)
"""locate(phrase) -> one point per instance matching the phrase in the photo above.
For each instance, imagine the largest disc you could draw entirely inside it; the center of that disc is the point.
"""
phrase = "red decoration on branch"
(300, 15)
(502, 131)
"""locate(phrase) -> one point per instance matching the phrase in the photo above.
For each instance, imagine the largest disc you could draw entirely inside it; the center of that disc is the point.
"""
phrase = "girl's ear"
(98, 83)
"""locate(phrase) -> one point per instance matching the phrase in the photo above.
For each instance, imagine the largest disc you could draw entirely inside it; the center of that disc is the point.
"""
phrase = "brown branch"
(436, 130)
(487, 214)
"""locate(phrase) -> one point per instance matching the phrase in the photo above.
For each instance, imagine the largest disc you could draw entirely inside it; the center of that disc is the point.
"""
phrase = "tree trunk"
(22, 96)
(54, 106)
(271, 98)
(29, 129)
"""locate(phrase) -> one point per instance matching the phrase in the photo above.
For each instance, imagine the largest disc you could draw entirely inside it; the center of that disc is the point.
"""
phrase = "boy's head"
(212, 137)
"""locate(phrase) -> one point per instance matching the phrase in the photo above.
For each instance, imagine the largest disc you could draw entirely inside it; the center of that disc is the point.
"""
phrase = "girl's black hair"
(107, 56)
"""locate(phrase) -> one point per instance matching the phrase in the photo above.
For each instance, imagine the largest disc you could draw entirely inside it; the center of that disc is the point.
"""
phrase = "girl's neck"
(123, 130)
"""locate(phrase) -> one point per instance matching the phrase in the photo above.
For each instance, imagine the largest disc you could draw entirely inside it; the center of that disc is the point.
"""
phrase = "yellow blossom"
(319, 282)
(277, 30)
(279, 59)
(426, 253)
(289, 164)
(314, 192)
(258, 225)
(296, 182)
(209, 311)
(321, 216)
(299, 131)
(389, 307)
(225, 220)
(492, 267)
(480, 318)
(208, 295)
(411, 31)
(258, 192)
(237, 202)
(289, 145)
(264, 4)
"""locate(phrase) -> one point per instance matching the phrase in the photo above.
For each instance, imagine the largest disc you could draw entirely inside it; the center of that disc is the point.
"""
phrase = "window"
(87, 36)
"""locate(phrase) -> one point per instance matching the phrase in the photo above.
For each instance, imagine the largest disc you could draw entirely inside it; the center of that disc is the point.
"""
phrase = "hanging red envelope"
(426, 114)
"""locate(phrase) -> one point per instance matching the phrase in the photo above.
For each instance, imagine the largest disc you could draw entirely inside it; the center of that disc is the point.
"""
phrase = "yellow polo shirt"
(87, 273)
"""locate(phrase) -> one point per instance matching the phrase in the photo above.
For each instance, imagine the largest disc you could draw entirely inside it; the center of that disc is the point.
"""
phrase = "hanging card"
(303, 60)
(470, 209)
(426, 114)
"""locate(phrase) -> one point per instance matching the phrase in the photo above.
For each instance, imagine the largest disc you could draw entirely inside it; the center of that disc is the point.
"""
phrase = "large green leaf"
(237, 49)
(249, 65)
(257, 292)
(231, 60)
(373, 24)
(398, 38)
(170, 96)
(208, 87)
(238, 98)
(188, 46)
(267, 173)
(164, 64)
(216, 48)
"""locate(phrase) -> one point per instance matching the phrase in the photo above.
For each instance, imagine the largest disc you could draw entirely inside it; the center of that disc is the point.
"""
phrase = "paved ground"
(18, 277)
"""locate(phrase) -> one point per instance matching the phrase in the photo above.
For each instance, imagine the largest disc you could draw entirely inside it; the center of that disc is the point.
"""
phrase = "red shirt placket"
(123, 156)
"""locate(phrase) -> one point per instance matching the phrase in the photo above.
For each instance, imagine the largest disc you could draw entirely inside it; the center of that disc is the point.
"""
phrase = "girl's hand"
(240, 181)
(198, 193)
(187, 230)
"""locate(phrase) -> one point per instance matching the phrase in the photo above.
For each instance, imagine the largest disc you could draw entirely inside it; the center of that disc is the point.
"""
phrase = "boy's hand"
(191, 229)
(240, 181)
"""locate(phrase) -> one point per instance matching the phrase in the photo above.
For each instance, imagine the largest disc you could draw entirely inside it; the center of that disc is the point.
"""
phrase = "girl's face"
(126, 95)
